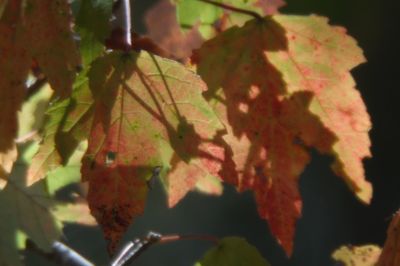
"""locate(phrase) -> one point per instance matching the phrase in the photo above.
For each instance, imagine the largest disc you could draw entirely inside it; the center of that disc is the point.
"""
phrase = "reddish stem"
(232, 8)
(173, 238)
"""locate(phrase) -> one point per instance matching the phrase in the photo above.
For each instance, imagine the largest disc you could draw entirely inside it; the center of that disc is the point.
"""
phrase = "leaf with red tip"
(149, 117)
(318, 59)
(271, 116)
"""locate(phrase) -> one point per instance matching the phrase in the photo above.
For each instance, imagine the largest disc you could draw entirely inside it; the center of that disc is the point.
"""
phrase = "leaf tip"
(365, 193)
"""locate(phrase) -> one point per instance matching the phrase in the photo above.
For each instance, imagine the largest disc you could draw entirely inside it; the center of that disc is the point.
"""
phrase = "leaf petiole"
(233, 8)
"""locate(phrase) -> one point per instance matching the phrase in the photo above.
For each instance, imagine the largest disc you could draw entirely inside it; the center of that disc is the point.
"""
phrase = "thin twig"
(173, 238)
(232, 8)
(126, 8)
(135, 248)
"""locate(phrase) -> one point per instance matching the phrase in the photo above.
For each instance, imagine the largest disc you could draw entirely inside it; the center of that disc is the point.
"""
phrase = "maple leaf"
(37, 30)
(367, 255)
(149, 117)
(14, 67)
(270, 7)
(66, 125)
(390, 251)
(211, 19)
(7, 160)
(232, 251)
(272, 110)
(48, 39)
(26, 210)
(68, 120)
(92, 24)
(47, 157)
(318, 59)
(167, 33)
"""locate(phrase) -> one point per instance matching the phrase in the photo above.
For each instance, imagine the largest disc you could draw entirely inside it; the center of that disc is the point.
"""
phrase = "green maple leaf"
(232, 251)
(210, 18)
(149, 117)
(66, 125)
(92, 24)
(25, 210)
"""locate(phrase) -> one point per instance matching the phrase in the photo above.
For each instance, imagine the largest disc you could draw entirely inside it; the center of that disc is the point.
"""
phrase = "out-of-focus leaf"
(167, 34)
(30, 119)
(190, 13)
(233, 251)
(32, 114)
(33, 30)
(211, 19)
(2, 6)
(24, 209)
(92, 24)
(149, 117)
(7, 160)
(391, 250)
(357, 256)
(14, 67)
(279, 85)
(77, 212)
(46, 25)
(269, 7)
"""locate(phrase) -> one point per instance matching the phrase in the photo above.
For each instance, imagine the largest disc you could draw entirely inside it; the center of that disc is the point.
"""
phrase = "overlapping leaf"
(279, 85)
(48, 39)
(270, 7)
(149, 117)
(318, 60)
(68, 120)
(92, 24)
(26, 210)
(14, 67)
(33, 30)
(233, 251)
(211, 19)
(167, 33)
(66, 125)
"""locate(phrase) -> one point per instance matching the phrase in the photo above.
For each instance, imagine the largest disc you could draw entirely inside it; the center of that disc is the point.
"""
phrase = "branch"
(232, 8)
(173, 238)
(121, 36)
(126, 9)
(135, 248)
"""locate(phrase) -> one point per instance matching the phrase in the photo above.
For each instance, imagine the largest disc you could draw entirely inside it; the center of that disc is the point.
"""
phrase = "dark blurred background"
(331, 216)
